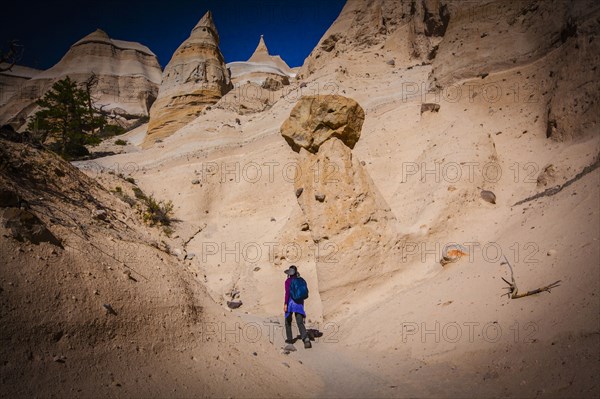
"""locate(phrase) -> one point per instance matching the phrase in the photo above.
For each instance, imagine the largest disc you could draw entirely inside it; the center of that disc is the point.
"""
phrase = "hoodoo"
(195, 77)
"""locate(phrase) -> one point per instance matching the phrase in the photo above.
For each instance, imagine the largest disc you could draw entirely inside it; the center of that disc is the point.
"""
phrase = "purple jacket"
(293, 307)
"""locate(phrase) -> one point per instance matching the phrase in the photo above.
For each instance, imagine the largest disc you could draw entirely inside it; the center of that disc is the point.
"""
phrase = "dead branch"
(88, 86)
(10, 56)
(513, 291)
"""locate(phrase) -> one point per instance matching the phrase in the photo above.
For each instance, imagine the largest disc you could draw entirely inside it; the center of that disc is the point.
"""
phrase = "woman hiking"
(294, 284)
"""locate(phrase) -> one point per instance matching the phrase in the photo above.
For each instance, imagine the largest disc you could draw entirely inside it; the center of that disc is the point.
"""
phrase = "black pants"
(288, 327)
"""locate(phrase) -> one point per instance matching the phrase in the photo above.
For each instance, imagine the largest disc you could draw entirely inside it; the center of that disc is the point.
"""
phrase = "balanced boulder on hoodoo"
(338, 199)
(315, 119)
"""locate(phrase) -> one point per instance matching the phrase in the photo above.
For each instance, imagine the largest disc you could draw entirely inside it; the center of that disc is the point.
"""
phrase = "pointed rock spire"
(261, 56)
(195, 77)
(261, 50)
(206, 25)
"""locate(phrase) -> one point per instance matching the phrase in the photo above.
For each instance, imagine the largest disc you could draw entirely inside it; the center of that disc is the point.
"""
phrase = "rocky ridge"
(128, 77)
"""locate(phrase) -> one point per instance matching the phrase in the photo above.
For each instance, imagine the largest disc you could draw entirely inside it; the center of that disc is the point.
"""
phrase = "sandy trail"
(341, 371)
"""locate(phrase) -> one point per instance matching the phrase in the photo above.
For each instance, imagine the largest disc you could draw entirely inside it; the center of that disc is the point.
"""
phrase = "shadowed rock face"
(370, 24)
(429, 21)
(498, 36)
(574, 106)
(11, 80)
(195, 77)
(25, 226)
(316, 119)
(341, 205)
(486, 37)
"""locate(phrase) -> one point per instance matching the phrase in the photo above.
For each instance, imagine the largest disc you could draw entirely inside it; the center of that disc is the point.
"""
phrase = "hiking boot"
(307, 344)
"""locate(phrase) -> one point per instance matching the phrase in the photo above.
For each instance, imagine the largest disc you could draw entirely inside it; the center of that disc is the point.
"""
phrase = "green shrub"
(139, 194)
(120, 142)
(112, 130)
(158, 212)
(124, 197)
(130, 180)
(155, 212)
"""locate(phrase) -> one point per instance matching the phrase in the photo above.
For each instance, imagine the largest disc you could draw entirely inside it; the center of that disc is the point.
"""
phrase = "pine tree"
(68, 117)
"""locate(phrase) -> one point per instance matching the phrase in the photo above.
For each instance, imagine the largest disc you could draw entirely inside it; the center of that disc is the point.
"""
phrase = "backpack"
(298, 289)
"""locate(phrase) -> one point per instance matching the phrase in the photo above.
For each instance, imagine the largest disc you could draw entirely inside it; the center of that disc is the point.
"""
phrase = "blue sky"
(291, 28)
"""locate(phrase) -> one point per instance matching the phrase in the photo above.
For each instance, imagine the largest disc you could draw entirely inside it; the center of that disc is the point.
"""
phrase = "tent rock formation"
(128, 77)
(195, 77)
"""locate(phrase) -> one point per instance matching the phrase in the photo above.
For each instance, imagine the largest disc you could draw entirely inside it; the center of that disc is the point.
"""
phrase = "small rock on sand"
(488, 196)
(290, 348)
(234, 305)
(430, 107)
(99, 214)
